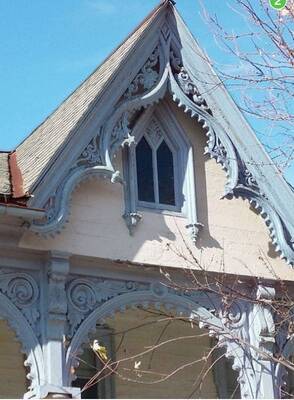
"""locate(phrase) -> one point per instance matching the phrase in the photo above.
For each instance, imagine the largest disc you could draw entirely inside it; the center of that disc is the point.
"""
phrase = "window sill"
(163, 212)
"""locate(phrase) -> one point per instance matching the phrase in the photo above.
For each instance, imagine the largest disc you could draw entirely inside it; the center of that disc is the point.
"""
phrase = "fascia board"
(22, 212)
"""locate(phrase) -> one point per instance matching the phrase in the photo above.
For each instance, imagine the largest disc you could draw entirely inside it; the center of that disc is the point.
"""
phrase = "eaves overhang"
(21, 211)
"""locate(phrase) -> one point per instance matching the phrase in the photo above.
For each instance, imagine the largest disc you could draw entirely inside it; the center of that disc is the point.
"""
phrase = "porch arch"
(30, 345)
(181, 306)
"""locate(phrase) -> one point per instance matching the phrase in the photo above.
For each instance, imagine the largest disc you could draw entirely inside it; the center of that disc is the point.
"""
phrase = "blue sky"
(49, 47)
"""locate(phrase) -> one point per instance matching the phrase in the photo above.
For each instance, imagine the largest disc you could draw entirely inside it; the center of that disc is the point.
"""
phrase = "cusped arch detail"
(180, 305)
(59, 214)
(30, 345)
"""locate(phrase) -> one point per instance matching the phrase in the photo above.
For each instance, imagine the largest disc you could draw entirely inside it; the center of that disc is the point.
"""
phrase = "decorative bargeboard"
(163, 72)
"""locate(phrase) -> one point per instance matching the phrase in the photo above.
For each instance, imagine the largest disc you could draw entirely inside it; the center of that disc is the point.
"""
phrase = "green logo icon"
(278, 4)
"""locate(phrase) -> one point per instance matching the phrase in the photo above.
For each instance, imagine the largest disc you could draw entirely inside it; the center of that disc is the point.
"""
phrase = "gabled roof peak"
(159, 57)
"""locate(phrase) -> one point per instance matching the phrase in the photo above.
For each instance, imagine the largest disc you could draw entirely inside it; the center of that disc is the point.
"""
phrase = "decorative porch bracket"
(250, 343)
(20, 307)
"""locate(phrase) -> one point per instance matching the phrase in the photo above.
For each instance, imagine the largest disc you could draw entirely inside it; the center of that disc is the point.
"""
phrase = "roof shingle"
(5, 187)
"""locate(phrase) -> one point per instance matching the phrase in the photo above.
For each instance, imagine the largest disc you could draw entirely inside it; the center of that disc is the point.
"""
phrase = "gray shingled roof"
(35, 153)
(4, 174)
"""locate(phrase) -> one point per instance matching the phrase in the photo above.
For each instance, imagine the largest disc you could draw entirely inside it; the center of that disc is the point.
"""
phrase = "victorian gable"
(147, 168)
(126, 123)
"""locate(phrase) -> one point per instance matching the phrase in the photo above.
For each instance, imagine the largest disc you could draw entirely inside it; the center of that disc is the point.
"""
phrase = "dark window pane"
(144, 171)
(226, 379)
(91, 392)
(165, 168)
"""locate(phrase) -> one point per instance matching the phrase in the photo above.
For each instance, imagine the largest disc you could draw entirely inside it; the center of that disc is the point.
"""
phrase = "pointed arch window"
(165, 173)
(145, 172)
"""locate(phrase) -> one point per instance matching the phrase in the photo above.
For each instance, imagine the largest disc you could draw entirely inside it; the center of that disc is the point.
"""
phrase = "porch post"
(54, 348)
(257, 379)
(250, 337)
(265, 333)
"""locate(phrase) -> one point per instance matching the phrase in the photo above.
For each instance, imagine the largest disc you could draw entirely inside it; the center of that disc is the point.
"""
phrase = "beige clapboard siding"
(164, 360)
(234, 239)
(12, 370)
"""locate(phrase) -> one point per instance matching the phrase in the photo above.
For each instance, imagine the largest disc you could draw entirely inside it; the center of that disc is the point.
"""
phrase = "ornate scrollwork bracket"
(94, 301)
(249, 338)
(22, 289)
(85, 295)
(146, 78)
(19, 306)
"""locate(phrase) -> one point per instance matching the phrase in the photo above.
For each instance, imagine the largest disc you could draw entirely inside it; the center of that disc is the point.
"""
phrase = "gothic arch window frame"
(176, 154)
(182, 149)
